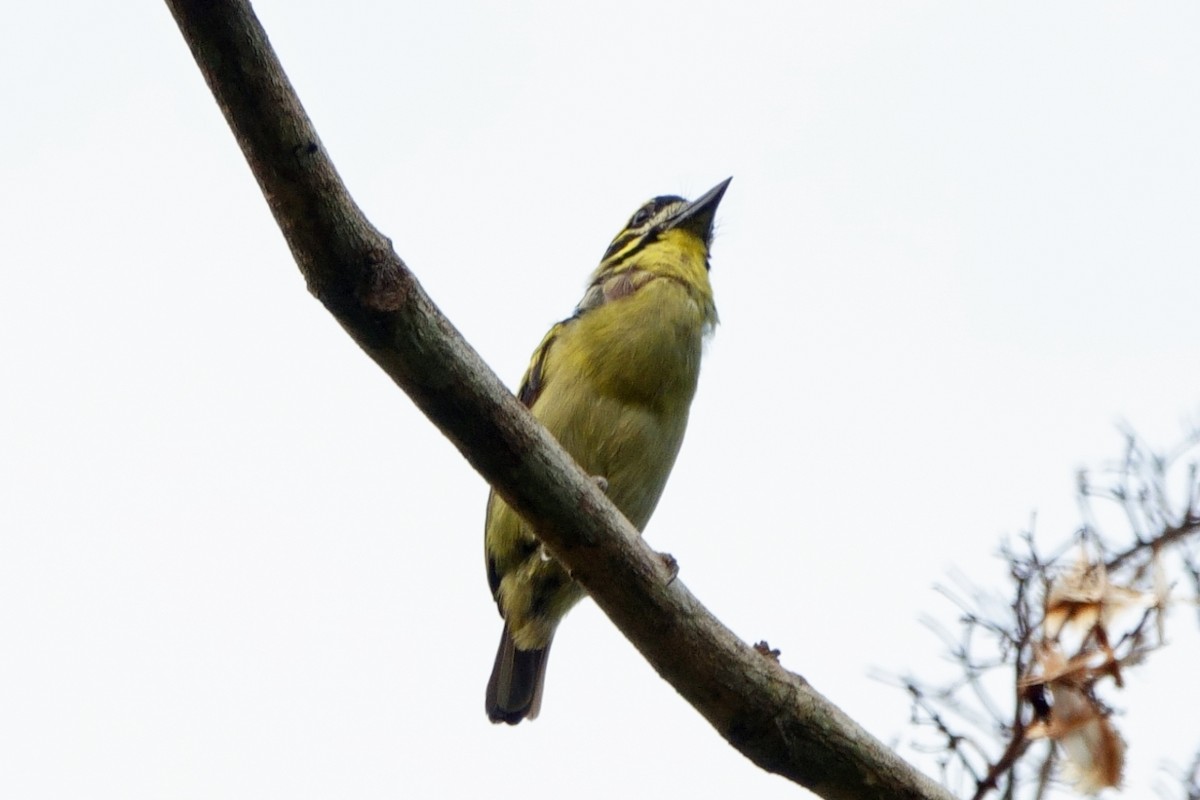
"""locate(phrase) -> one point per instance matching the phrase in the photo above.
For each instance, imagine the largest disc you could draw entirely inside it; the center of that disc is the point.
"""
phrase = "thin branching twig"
(1054, 641)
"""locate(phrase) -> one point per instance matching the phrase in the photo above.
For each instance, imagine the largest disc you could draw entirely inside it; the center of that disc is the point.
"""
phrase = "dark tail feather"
(514, 692)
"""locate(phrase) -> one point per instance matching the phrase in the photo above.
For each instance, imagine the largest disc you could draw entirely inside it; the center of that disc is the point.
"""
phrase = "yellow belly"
(619, 382)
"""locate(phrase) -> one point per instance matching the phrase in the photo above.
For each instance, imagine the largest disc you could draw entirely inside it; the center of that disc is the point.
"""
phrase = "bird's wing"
(531, 387)
(535, 379)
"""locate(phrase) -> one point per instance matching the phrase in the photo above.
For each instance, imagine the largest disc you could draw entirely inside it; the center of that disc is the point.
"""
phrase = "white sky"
(960, 244)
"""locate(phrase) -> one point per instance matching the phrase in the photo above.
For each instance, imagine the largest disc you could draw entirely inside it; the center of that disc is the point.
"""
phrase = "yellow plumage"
(613, 383)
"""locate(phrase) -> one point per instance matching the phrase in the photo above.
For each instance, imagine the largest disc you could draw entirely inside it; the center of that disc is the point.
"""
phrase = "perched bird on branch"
(613, 383)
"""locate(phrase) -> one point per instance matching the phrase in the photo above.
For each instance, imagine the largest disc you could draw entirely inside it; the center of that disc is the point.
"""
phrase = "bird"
(613, 383)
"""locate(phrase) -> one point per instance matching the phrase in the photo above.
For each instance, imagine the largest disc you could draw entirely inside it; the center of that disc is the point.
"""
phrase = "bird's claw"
(767, 651)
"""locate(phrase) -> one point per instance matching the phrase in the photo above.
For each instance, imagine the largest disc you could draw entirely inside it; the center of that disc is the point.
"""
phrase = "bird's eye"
(640, 218)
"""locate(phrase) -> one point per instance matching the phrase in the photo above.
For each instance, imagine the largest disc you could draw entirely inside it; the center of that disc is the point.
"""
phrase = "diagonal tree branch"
(771, 715)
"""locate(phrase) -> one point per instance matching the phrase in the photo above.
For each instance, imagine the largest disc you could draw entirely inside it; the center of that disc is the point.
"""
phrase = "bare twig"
(1050, 680)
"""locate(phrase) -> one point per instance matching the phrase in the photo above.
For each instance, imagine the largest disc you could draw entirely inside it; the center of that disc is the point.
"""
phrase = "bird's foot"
(767, 651)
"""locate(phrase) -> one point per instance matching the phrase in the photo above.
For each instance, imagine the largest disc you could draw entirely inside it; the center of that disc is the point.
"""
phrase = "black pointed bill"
(698, 216)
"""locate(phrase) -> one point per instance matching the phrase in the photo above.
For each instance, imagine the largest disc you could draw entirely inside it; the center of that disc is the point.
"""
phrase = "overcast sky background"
(960, 245)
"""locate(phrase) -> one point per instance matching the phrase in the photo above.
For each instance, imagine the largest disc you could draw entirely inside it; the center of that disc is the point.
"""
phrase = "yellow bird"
(613, 383)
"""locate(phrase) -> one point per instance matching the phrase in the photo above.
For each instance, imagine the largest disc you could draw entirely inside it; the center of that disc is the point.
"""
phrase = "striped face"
(642, 227)
(664, 213)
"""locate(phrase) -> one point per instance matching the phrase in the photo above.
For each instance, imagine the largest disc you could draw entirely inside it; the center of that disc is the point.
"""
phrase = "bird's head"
(668, 222)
